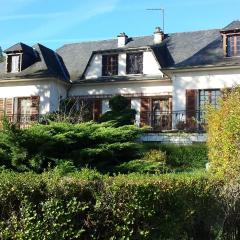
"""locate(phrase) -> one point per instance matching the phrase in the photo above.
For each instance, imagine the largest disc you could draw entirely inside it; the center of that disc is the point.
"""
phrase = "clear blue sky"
(55, 22)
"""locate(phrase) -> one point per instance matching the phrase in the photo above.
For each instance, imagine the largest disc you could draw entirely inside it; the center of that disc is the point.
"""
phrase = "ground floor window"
(207, 96)
(156, 112)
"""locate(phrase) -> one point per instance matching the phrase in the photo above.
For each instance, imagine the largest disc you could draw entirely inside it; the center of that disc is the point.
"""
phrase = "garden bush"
(224, 135)
(183, 157)
(120, 112)
(50, 206)
(42, 146)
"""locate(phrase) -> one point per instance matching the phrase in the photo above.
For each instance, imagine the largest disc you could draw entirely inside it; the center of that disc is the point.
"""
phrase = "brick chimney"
(158, 35)
(122, 40)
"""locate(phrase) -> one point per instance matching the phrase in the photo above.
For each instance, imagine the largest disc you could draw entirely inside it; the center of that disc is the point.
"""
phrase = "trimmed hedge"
(87, 205)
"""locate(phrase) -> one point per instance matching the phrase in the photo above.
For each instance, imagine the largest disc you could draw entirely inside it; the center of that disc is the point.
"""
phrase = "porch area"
(154, 121)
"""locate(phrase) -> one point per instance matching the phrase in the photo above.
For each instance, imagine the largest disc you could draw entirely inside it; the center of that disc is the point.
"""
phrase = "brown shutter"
(191, 107)
(145, 112)
(35, 105)
(97, 109)
(2, 106)
(9, 106)
(225, 45)
(191, 103)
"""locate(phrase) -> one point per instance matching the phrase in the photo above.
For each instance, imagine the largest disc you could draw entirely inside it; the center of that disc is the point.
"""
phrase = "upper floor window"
(110, 65)
(13, 63)
(134, 63)
(233, 45)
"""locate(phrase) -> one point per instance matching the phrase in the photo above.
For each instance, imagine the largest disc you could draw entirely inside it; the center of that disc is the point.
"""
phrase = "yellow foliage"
(224, 135)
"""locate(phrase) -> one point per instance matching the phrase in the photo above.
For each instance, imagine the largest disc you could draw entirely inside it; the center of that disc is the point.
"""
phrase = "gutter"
(199, 68)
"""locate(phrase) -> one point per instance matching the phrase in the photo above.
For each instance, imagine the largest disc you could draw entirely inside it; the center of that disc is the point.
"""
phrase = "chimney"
(158, 35)
(122, 39)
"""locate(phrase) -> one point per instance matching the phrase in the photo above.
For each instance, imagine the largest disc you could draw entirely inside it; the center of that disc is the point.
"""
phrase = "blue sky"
(56, 22)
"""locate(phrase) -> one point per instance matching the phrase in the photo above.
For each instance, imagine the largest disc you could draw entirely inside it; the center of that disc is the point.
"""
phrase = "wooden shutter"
(191, 103)
(35, 105)
(97, 109)
(145, 111)
(9, 106)
(2, 107)
(225, 45)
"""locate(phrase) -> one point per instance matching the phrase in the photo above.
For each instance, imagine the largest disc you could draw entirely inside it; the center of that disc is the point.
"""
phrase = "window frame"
(109, 65)
(233, 45)
(128, 68)
(9, 62)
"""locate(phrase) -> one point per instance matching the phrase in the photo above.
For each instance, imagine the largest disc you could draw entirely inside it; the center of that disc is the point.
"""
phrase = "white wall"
(95, 68)
(122, 58)
(150, 65)
(48, 91)
(147, 88)
(201, 80)
(58, 91)
(27, 89)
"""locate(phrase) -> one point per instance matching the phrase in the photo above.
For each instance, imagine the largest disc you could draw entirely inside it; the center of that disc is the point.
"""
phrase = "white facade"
(208, 79)
(148, 88)
(48, 91)
(150, 65)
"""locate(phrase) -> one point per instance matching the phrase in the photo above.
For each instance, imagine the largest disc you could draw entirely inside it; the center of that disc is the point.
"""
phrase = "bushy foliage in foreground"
(41, 146)
(87, 205)
(224, 135)
(183, 157)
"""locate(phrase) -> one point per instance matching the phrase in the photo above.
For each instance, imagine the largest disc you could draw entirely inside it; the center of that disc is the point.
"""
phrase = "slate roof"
(46, 64)
(20, 47)
(195, 49)
(178, 50)
(232, 26)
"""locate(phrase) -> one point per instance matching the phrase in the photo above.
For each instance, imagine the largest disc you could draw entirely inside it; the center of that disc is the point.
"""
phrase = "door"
(162, 113)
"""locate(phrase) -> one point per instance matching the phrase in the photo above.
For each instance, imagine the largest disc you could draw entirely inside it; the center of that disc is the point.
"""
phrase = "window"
(209, 97)
(134, 63)
(109, 65)
(233, 45)
(13, 63)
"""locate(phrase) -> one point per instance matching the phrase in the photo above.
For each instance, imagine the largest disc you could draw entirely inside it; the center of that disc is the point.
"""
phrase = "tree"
(224, 135)
(120, 112)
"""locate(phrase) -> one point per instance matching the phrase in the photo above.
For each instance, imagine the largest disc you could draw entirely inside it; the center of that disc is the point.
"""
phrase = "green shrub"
(42, 146)
(120, 113)
(224, 135)
(183, 157)
(136, 206)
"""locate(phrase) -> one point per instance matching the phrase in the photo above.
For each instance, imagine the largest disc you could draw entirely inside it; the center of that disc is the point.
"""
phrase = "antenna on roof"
(163, 14)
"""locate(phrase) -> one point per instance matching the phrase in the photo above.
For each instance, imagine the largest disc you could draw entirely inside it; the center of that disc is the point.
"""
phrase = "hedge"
(183, 157)
(86, 205)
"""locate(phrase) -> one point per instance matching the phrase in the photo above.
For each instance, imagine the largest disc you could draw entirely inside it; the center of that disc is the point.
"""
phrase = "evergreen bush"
(42, 146)
(120, 112)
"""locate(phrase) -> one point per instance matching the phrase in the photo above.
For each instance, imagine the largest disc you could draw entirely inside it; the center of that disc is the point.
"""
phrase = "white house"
(166, 77)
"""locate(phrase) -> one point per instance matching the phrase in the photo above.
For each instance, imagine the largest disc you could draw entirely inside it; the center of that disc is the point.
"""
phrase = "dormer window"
(13, 63)
(110, 65)
(233, 45)
(135, 63)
